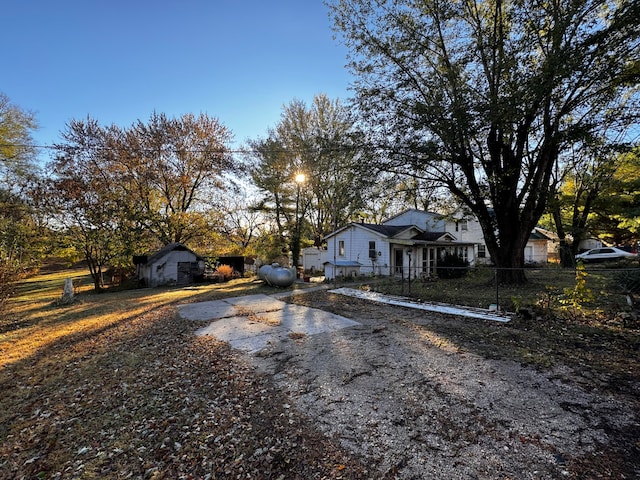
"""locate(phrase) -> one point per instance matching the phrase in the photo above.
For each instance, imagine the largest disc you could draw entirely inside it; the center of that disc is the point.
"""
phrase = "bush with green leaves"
(452, 266)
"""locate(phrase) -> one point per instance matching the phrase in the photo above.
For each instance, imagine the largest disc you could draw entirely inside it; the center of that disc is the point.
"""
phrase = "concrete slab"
(311, 320)
(257, 303)
(207, 310)
(244, 334)
(253, 322)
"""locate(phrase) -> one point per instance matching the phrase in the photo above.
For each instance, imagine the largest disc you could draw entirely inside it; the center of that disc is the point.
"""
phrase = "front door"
(398, 260)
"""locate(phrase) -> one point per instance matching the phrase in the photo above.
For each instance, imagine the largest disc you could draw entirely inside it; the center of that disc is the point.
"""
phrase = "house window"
(372, 249)
(462, 225)
(425, 260)
(482, 251)
(341, 248)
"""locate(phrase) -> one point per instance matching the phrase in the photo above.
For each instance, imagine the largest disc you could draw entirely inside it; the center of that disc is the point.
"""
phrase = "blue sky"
(118, 61)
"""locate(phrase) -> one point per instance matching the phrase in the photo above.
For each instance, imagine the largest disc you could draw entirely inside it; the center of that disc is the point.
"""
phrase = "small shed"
(341, 268)
(174, 264)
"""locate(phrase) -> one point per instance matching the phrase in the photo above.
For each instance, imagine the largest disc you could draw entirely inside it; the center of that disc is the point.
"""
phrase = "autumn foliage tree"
(121, 191)
(318, 141)
(20, 238)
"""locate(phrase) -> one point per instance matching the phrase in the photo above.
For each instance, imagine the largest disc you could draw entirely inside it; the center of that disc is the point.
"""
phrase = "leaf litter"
(404, 395)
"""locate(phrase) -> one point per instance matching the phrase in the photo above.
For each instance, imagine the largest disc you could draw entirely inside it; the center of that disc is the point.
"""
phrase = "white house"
(407, 244)
(174, 264)
(411, 243)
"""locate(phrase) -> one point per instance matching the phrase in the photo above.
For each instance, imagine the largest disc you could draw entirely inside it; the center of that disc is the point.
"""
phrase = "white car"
(604, 253)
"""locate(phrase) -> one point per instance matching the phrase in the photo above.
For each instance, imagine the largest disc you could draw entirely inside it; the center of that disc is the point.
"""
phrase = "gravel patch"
(414, 404)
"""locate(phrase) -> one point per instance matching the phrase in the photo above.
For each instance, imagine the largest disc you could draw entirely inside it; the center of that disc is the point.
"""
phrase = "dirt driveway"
(417, 404)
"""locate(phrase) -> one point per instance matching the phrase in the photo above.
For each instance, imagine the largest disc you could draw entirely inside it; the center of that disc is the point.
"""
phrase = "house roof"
(540, 233)
(170, 248)
(433, 236)
(387, 230)
(384, 230)
(394, 231)
(408, 210)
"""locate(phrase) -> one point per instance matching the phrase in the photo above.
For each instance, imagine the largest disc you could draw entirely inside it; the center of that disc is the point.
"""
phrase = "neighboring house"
(589, 243)
(552, 245)
(537, 249)
(174, 264)
(410, 243)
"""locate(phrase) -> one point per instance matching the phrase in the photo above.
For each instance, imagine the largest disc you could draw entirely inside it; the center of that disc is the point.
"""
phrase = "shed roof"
(170, 248)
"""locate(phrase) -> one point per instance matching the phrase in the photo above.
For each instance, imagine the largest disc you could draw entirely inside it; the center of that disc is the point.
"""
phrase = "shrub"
(226, 271)
(452, 266)
(626, 281)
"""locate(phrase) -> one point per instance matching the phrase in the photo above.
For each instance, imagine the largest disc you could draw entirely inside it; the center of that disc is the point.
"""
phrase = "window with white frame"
(482, 251)
(372, 249)
(341, 248)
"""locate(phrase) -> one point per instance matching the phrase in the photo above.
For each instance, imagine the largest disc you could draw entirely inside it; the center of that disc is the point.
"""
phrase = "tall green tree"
(616, 216)
(597, 195)
(21, 232)
(484, 96)
(320, 142)
(17, 151)
(575, 194)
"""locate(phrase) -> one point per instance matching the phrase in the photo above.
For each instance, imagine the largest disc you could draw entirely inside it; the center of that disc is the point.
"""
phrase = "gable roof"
(168, 249)
(385, 230)
(388, 230)
(393, 232)
(413, 210)
(434, 236)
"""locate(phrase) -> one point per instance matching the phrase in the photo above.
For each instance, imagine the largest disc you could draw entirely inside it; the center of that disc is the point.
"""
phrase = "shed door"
(184, 273)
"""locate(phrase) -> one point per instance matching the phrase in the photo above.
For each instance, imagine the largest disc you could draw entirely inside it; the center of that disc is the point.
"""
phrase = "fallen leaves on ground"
(148, 399)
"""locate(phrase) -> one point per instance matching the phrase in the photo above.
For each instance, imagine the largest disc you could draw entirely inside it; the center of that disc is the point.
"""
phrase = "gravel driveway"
(414, 404)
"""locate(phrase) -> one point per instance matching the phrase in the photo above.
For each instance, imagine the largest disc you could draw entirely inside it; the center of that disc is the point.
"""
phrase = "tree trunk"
(95, 269)
(564, 250)
(507, 249)
(509, 262)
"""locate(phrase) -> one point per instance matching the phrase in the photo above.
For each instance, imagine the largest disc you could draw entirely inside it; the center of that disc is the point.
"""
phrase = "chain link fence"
(580, 290)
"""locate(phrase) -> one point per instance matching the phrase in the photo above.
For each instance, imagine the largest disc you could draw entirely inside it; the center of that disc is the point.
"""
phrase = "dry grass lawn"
(116, 386)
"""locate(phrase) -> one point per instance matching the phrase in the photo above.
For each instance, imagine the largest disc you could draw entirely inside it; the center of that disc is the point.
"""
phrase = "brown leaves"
(148, 399)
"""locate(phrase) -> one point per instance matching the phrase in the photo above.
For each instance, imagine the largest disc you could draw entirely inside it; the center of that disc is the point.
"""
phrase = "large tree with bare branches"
(484, 96)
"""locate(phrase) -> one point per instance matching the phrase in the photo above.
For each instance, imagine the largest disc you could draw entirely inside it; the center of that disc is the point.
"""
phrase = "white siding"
(356, 248)
(164, 271)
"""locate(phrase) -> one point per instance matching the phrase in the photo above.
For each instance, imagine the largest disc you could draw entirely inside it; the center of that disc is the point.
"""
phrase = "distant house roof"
(544, 234)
